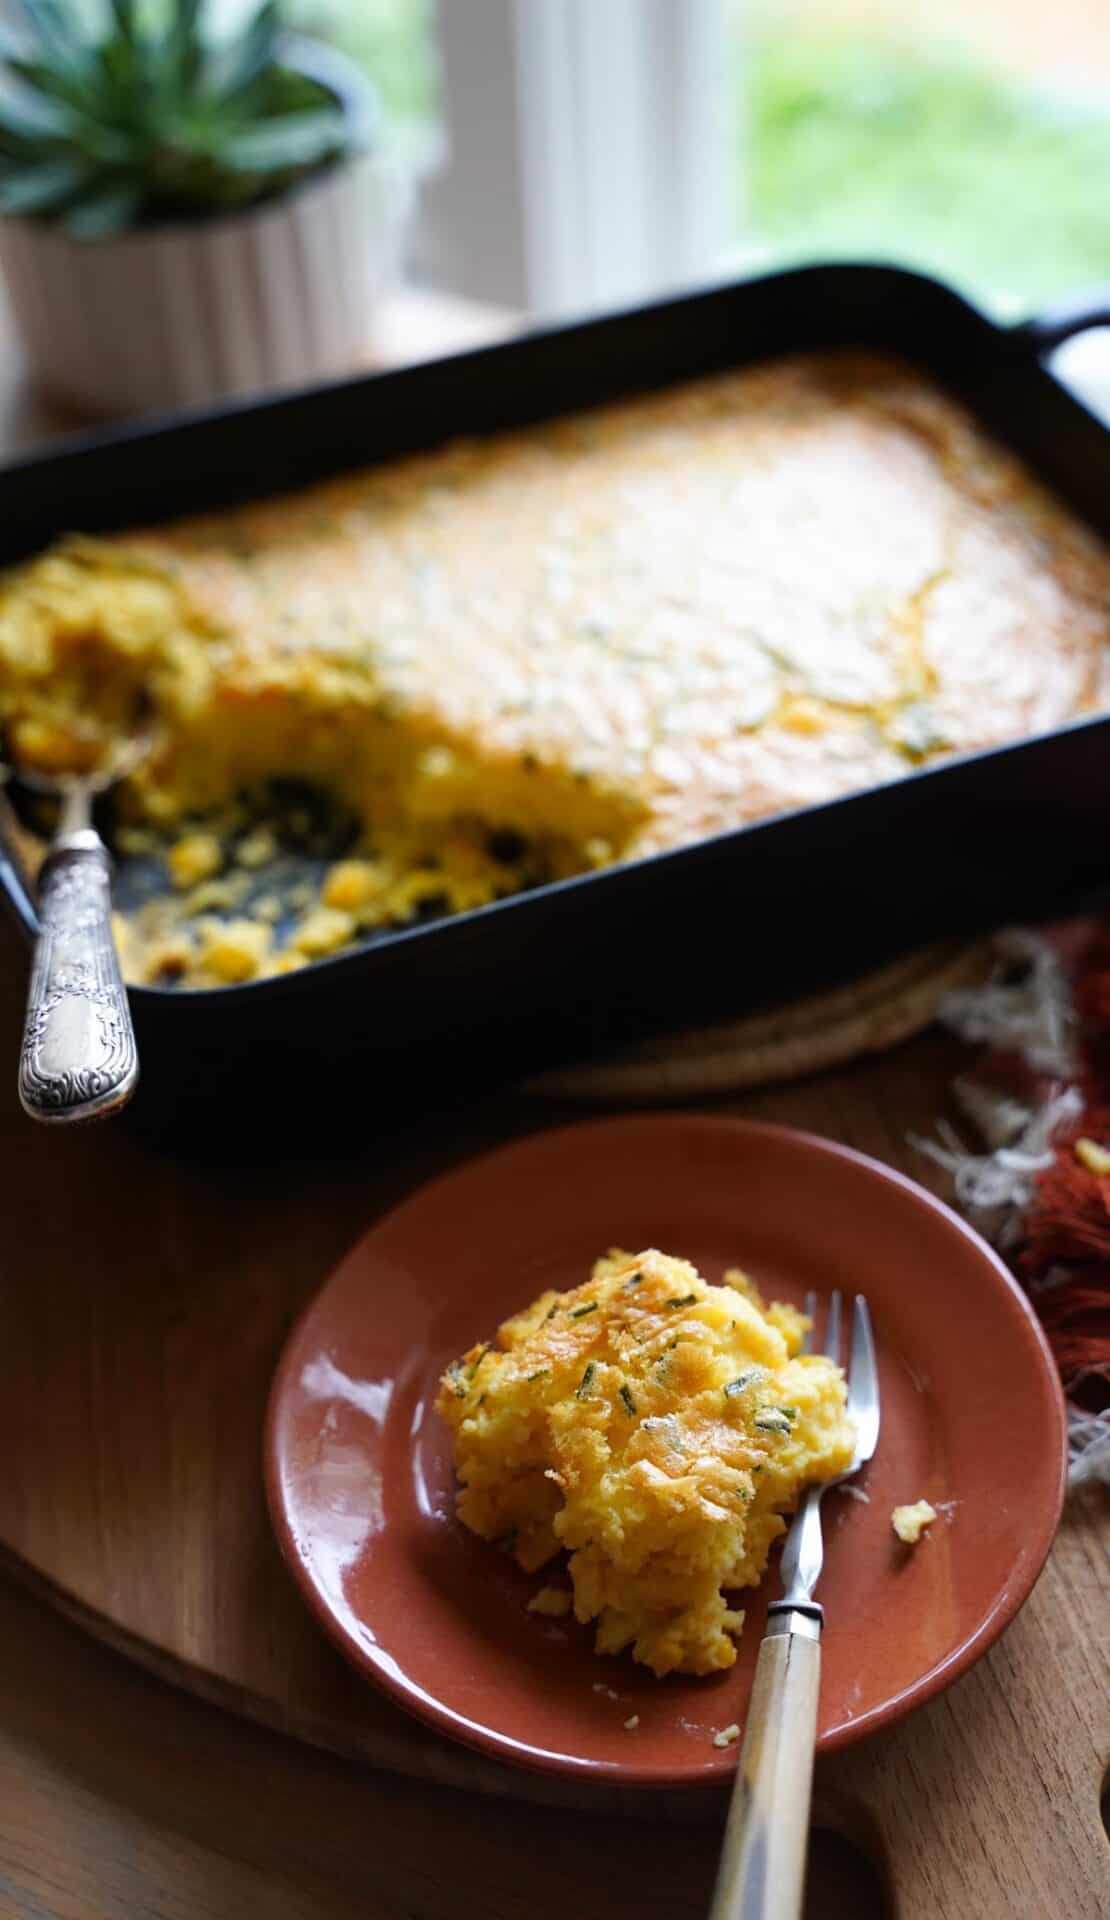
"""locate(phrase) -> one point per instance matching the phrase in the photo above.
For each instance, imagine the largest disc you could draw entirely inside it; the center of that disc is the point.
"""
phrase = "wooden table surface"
(120, 1797)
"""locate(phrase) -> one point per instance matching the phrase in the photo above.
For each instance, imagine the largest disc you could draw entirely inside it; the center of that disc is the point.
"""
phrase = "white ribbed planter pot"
(174, 316)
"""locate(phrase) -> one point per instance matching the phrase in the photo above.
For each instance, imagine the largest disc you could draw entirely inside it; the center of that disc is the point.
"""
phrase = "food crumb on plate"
(854, 1493)
(727, 1736)
(632, 1723)
(600, 1687)
(909, 1523)
(552, 1601)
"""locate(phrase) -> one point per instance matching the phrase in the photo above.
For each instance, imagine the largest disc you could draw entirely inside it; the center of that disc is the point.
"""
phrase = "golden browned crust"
(613, 634)
(656, 1427)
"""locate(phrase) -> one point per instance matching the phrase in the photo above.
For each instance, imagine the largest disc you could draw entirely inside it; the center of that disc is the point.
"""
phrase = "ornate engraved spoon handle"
(78, 1060)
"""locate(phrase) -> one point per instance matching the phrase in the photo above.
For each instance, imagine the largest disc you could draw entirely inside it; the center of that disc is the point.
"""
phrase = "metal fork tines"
(803, 1550)
(762, 1868)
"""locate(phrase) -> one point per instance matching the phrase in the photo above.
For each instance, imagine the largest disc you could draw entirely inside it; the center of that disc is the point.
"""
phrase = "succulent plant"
(119, 113)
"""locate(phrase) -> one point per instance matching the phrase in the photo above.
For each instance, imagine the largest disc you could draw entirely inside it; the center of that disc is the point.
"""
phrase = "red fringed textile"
(1069, 1219)
(1041, 1086)
(1065, 1257)
(1076, 1317)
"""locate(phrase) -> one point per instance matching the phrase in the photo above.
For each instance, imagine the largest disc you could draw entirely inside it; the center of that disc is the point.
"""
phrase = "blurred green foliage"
(856, 146)
(392, 39)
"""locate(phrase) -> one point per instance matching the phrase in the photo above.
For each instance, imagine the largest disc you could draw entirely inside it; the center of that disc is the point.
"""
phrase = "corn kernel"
(323, 931)
(257, 849)
(803, 715)
(194, 859)
(351, 884)
(215, 896)
(286, 962)
(234, 950)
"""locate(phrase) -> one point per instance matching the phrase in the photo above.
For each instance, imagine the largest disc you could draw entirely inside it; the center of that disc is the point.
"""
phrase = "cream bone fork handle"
(78, 1060)
(762, 1871)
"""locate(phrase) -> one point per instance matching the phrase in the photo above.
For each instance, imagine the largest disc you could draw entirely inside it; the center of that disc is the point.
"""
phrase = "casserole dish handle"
(1078, 313)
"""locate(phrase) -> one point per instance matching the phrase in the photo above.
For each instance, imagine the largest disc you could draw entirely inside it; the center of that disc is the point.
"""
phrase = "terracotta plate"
(358, 1464)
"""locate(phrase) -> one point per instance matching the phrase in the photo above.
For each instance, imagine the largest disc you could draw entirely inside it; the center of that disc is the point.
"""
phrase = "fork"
(762, 1871)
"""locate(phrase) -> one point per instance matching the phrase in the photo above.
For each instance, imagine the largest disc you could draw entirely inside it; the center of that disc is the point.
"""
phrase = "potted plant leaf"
(187, 210)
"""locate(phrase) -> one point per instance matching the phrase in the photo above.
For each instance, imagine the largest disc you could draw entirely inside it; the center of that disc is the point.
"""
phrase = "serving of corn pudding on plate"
(530, 1451)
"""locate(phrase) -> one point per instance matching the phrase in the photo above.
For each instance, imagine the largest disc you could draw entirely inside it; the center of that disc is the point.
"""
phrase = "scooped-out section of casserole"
(520, 658)
(657, 1428)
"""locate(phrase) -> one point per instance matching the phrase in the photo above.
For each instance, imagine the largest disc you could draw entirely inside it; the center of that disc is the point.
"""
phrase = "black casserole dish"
(753, 911)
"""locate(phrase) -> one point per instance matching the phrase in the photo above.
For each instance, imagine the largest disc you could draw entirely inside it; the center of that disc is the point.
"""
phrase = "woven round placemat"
(824, 1030)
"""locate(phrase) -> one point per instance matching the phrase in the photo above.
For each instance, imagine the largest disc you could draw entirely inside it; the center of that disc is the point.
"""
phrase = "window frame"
(586, 151)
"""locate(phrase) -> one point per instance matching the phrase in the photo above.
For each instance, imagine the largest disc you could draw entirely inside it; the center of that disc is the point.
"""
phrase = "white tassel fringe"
(1089, 1449)
(1031, 1015)
(994, 1189)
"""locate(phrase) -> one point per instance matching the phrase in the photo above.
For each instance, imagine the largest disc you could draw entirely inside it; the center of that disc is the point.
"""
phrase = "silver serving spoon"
(78, 1060)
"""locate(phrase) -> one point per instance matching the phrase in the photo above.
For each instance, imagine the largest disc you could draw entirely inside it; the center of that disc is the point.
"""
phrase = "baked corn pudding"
(519, 658)
(657, 1428)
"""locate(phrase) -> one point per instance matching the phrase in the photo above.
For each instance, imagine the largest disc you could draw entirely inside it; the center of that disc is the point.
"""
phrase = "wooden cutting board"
(145, 1303)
